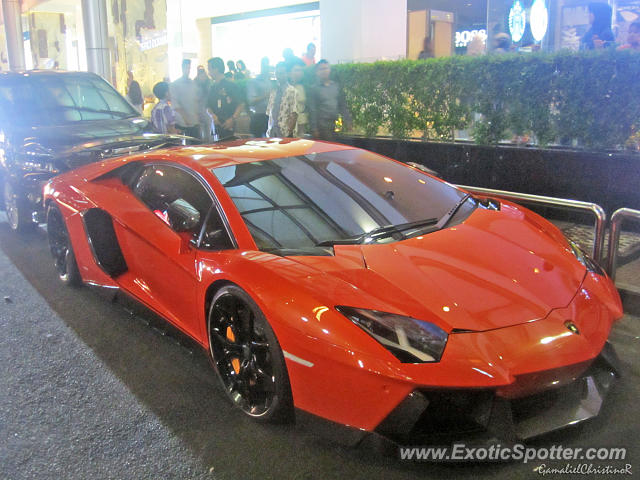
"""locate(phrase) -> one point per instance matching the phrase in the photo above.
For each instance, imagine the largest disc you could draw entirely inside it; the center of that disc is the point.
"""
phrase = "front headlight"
(408, 339)
(585, 259)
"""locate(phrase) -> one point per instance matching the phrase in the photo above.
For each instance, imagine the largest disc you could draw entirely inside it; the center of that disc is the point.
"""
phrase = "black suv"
(51, 122)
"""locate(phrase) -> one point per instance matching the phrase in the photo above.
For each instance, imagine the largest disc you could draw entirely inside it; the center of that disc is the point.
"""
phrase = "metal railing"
(561, 203)
(614, 236)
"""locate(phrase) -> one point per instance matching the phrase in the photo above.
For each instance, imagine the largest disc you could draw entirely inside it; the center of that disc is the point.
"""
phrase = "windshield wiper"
(379, 232)
(339, 241)
(449, 215)
(387, 230)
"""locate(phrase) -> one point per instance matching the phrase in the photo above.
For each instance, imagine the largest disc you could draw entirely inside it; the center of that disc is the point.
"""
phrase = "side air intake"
(103, 241)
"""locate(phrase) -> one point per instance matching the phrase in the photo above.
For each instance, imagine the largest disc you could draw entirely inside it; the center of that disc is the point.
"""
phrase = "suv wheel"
(17, 209)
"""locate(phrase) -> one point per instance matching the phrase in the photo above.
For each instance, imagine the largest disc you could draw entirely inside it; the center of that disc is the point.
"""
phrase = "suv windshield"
(60, 99)
(319, 200)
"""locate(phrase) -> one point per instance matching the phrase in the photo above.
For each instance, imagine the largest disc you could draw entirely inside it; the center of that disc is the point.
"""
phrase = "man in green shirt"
(326, 103)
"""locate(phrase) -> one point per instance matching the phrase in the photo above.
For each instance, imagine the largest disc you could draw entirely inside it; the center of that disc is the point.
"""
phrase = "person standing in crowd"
(203, 83)
(296, 75)
(427, 49)
(134, 92)
(184, 99)
(501, 43)
(243, 73)
(290, 58)
(600, 34)
(633, 38)
(287, 55)
(223, 102)
(309, 57)
(326, 103)
(231, 70)
(476, 46)
(258, 93)
(163, 117)
(282, 105)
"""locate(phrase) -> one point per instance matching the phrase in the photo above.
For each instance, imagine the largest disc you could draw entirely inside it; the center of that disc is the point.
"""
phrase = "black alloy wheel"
(17, 210)
(61, 249)
(247, 357)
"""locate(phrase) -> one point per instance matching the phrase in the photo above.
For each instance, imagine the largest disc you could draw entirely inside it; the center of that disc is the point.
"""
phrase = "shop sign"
(465, 36)
(517, 21)
(539, 19)
(153, 39)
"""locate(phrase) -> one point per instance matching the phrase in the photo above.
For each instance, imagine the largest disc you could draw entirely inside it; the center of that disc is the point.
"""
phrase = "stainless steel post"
(614, 236)
(12, 12)
(94, 16)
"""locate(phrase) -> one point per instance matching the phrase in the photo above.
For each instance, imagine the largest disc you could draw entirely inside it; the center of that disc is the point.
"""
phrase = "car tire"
(247, 357)
(61, 248)
(17, 209)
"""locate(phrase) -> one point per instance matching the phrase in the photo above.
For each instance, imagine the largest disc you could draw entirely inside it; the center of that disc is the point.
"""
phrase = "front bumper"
(478, 417)
(439, 416)
(32, 185)
(490, 381)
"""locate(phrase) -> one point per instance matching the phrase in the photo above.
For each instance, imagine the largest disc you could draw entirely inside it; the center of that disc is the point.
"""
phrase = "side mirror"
(183, 217)
(216, 239)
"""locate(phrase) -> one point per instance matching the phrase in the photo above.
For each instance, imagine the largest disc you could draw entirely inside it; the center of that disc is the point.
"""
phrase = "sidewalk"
(63, 413)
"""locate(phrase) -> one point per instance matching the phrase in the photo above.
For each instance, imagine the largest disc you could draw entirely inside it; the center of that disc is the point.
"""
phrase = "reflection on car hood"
(58, 138)
(494, 270)
(74, 145)
(95, 150)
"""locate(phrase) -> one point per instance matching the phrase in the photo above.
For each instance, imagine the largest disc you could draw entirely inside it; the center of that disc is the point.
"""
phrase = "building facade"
(151, 37)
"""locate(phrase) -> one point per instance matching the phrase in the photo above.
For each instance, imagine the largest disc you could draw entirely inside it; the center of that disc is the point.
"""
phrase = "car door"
(157, 240)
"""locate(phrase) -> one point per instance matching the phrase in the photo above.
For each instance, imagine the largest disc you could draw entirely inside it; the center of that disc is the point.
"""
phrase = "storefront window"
(574, 21)
(627, 13)
(138, 42)
(438, 28)
(246, 30)
(53, 34)
(469, 27)
(276, 29)
(521, 25)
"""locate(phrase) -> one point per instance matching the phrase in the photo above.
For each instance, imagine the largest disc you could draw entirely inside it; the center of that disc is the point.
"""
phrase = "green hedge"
(589, 97)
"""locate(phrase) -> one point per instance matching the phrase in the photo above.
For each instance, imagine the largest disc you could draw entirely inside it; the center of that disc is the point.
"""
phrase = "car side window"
(175, 196)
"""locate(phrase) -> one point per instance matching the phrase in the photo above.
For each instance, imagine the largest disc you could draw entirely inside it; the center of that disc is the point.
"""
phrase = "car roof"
(246, 151)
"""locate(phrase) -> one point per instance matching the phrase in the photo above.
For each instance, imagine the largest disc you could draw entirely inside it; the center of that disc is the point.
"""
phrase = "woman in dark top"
(600, 34)
(134, 93)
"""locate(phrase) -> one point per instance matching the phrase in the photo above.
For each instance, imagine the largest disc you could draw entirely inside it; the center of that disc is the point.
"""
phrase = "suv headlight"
(37, 165)
(408, 339)
(585, 259)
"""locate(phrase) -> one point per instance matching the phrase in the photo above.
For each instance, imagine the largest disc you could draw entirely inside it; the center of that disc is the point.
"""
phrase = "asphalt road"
(90, 391)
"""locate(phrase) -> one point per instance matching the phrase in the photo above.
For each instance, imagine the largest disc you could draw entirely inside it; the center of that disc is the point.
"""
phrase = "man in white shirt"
(184, 100)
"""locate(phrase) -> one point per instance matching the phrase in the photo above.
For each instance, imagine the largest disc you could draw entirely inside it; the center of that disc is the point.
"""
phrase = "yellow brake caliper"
(235, 362)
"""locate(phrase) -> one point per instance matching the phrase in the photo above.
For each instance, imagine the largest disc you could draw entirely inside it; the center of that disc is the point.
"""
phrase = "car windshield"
(60, 99)
(346, 196)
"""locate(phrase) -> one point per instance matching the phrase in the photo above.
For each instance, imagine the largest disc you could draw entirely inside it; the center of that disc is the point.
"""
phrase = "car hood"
(71, 146)
(58, 138)
(494, 270)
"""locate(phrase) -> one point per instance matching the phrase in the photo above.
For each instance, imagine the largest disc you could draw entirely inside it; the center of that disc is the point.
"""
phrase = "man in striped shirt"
(163, 117)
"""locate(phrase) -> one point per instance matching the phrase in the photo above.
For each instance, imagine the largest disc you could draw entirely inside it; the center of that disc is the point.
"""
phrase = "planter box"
(611, 180)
